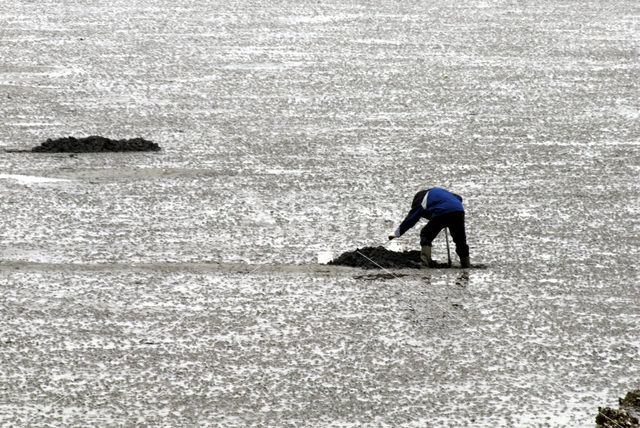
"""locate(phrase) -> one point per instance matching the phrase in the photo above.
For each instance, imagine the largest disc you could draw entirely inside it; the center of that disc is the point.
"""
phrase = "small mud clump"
(612, 418)
(631, 403)
(95, 144)
(380, 257)
(632, 399)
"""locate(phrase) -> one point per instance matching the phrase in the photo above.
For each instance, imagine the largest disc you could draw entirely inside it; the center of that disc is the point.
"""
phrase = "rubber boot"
(465, 262)
(425, 256)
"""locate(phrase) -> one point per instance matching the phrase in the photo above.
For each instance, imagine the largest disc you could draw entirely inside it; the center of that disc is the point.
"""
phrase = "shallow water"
(181, 287)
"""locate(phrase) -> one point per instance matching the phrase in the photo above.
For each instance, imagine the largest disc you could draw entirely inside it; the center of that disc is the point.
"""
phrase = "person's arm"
(409, 221)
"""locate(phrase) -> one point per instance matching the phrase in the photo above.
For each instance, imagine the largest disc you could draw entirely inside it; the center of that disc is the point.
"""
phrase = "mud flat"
(175, 288)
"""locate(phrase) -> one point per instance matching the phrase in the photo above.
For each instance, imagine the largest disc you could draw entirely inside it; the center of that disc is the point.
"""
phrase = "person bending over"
(443, 209)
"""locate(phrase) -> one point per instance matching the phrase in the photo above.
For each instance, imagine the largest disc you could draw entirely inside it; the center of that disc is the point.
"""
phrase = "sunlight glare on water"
(184, 288)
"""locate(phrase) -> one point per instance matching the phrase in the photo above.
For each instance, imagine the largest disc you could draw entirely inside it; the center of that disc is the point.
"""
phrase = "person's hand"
(392, 236)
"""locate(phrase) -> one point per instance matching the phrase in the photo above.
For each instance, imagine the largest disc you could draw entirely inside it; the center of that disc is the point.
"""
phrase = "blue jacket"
(429, 204)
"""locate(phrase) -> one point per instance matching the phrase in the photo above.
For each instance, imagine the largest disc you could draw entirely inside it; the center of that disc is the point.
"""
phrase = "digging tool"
(446, 234)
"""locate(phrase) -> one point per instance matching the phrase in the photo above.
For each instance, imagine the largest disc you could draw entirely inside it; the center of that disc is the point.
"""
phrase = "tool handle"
(446, 234)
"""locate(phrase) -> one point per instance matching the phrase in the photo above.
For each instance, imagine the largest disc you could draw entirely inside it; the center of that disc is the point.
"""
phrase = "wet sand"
(180, 287)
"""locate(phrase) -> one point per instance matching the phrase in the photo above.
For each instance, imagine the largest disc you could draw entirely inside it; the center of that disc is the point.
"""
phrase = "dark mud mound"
(612, 418)
(380, 257)
(96, 144)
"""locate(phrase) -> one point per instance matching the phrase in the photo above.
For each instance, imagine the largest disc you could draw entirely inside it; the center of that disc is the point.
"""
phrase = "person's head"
(417, 199)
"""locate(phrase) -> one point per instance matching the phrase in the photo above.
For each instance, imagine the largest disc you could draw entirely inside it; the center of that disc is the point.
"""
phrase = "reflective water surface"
(182, 287)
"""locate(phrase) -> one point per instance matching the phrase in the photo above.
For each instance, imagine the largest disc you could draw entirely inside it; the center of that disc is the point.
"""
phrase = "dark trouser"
(455, 222)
